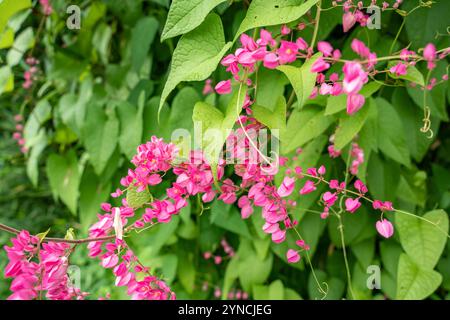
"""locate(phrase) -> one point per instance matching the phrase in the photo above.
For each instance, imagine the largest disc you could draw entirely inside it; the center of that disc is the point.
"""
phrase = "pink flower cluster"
(46, 7)
(353, 13)
(18, 133)
(229, 251)
(30, 74)
(36, 271)
(265, 49)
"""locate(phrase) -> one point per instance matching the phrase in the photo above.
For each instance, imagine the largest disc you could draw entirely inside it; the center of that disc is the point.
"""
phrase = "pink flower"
(329, 198)
(292, 256)
(348, 21)
(399, 69)
(360, 48)
(301, 44)
(325, 47)
(429, 52)
(360, 186)
(207, 89)
(287, 52)
(308, 187)
(354, 77)
(270, 61)
(320, 65)
(265, 38)
(351, 205)
(285, 30)
(286, 187)
(223, 87)
(279, 236)
(385, 228)
(248, 42)
(354, 102)
(383, 206)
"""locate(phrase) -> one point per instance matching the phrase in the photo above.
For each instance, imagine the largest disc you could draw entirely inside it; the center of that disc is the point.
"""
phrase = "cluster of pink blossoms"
(229, 251)
(18, 133)
(30, 74)
(46, 7)
(37, 270)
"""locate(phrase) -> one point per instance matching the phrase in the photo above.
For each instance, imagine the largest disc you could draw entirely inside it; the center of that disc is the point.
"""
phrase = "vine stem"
(316, 27)
(12, 230)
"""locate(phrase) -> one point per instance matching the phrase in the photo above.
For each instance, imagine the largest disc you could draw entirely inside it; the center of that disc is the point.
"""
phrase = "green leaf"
(335, 285)
(229, 218)
(418, 142)
(186, 271)
(391, 137)
(350, 125)
(6, 79)
(64, 177)
(303, 126)
(216, 126)
(302, 79)
(339, 103)
(23, 42)
(275, 120)
(423, 241)
(185, 16)
(196, 55)
(92, 194)
(37, 146)
(272, 12)
(270, 84)
(131, 126)
(10, 7)
(137, 199)
(6, 38)
(426, 22)
(70, 234)
(43, 235)
(383, 177)
(142, 37)
(182, 105)
(252, 270)
(413, 282)
(100, 134)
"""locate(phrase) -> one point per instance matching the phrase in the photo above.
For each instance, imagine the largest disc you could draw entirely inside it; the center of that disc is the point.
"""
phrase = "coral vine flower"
(287, 52)
(351, 205)
(385, 228)
(308, 187)
(292, 256)
(399, 69)
(286, 187)
(223, 87)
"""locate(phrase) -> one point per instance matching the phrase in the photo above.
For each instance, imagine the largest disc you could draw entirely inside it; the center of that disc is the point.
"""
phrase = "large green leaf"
(271, 12)
(275, 120)
(92, 193)
(303, 126)
(9, 7)
(100, 134)
(301, 78)
(413, 282)
(142, 37)
(412, 116)
(391, 137)
(270, 86)
(186, 15)
(22, 43)
(215, 126)
(196, 55)
(423, 24)
(131, 126)
(350, 125)
(423, 241)
(64, 177)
